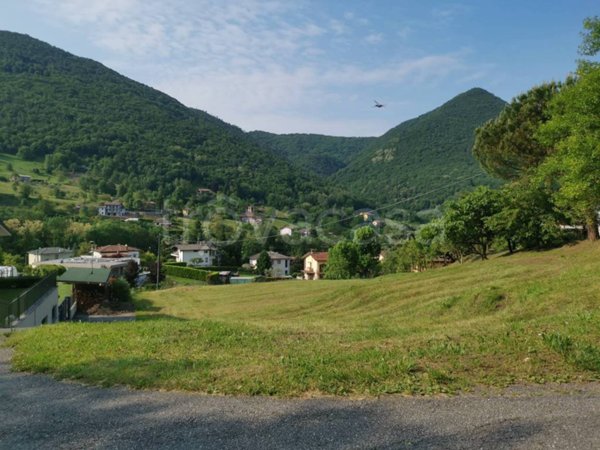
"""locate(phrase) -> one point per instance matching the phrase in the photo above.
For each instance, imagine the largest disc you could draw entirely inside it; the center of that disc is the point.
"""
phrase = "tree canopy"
(506, 146)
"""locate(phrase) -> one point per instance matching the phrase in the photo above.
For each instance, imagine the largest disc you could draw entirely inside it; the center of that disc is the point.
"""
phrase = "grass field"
(526, 318)
(72, 192)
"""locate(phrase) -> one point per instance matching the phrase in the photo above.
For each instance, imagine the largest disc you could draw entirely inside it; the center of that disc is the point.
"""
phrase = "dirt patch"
(110, 308)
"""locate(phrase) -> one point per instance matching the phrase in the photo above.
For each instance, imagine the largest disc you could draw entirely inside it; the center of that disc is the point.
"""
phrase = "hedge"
(192, 274)
(18, 282)
(175, 264)
(221, 268)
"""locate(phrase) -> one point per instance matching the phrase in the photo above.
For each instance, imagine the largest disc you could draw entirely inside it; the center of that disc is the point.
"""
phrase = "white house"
(314, 263)
(47, 254)
(285, 231)
(280, 264)
(202, 254)
(112, 209)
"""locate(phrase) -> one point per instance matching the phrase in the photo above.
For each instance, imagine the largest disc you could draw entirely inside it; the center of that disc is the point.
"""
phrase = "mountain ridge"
(434, 145)
(137, 143)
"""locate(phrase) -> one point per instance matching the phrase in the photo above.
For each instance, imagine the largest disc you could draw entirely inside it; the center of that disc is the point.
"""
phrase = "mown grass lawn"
(530, 317)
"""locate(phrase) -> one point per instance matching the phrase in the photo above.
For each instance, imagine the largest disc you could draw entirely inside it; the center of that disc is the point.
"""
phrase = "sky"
(316, 66)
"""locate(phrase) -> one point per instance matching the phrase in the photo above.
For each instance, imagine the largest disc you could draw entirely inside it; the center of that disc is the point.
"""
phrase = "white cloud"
(337, 26)
(449, 12)
(271, 98)
(257, 64)
(83, 12)
(374, 38)
(404, 32)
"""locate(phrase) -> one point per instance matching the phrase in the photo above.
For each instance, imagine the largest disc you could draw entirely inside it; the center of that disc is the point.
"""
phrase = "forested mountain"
(130, 140)
(322, 155)
(424, 159)
(133, 142)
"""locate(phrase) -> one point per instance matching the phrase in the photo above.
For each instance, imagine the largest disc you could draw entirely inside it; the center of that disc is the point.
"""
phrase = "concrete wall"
(45, 310)
(35, 258)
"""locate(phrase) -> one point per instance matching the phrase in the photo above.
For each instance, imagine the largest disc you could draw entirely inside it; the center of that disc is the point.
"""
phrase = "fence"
(18, 306)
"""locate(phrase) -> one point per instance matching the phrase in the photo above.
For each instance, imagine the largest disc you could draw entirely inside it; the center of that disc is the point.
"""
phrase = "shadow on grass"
(147, 317)
(142, 304)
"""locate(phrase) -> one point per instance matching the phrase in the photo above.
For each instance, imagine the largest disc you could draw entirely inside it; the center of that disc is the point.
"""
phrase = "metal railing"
(13, 310)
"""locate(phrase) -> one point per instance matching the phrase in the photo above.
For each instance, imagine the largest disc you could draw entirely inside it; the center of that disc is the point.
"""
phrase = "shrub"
(120, 290)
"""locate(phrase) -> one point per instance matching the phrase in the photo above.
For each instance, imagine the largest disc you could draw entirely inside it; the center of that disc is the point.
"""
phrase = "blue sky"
(290, 66)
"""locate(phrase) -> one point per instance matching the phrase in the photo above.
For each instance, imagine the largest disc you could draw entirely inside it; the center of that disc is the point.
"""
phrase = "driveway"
(37, 412)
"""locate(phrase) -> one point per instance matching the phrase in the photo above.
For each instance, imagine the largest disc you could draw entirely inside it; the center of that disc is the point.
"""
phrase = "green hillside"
(131, 141)
(428, 153)
(527, 318)
(315, 153)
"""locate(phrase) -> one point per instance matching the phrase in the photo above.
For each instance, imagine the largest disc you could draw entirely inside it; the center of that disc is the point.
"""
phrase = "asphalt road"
(37, 412)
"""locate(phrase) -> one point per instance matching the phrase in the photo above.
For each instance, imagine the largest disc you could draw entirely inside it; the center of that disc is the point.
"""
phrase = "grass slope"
(46, 188)
(531, 317)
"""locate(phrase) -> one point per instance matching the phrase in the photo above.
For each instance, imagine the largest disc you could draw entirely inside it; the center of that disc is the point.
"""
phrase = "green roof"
(85, 275)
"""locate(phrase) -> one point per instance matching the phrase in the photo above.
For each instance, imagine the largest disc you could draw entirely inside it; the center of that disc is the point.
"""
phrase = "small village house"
(203, 254)
(280, 264)
(285, 231)
(22, 178)
(112, 209)
(314, 264)
(251, 217)
(90, 286)
(116, 251)
(47, 254)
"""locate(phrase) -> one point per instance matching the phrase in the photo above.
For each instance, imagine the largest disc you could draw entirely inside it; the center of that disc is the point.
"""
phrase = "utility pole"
(92, 246)
(158, 264)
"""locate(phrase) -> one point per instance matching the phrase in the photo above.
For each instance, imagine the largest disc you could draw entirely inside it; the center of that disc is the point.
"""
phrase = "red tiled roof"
(116, 249)
(318, 256)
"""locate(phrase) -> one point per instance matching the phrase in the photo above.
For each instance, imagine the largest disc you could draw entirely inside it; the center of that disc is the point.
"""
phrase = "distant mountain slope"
(323, 155)
(425, 154)
(131, 140)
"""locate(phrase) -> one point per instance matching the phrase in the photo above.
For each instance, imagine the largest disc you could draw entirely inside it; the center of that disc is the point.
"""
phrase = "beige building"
(47, 254)
(314, 263)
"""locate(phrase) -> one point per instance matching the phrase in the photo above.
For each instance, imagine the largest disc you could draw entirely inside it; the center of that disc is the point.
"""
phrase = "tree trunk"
(591, 227)
(510, 246)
